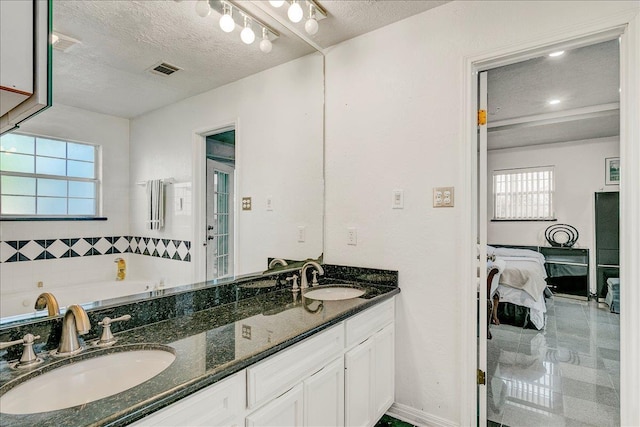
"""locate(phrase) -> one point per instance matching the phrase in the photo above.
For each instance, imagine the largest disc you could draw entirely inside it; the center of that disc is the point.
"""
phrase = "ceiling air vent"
(164, 69)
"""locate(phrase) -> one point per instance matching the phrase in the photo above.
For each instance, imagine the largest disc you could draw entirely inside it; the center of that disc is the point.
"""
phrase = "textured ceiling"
(583, 79)
(121, 40)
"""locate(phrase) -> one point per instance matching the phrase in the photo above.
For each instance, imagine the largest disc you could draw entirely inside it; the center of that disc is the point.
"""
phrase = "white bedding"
(531, 294)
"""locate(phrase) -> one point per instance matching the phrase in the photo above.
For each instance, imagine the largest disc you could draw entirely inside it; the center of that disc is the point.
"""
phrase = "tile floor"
(566, 375)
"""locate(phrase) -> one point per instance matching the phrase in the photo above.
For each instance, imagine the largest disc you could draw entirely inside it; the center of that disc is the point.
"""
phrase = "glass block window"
(523, 194)
(42, 177)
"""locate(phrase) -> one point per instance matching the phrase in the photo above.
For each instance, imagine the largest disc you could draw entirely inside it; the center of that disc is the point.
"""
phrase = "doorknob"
(209, 237)
(209, 227)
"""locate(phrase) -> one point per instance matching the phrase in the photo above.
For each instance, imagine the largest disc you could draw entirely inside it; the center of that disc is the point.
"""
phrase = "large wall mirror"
(235, 135)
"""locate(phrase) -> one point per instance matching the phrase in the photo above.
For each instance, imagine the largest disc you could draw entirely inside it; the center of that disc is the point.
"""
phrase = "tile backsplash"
(39, 249)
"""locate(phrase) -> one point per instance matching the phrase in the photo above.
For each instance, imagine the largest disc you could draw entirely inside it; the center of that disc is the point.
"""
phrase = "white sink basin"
(85, 381)
(333, 293)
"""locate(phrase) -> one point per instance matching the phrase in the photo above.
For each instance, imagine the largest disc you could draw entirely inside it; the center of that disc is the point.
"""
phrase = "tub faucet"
(122, 269)
(48, 301)
(304, 284)
(75, 322)
(277, 261)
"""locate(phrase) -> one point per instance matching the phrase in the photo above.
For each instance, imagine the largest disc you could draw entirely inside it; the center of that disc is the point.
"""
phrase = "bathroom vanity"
(258, 356)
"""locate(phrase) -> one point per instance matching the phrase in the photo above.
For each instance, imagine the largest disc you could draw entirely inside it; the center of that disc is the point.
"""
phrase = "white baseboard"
(417, 417)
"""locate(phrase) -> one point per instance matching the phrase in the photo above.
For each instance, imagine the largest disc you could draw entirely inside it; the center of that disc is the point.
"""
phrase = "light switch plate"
(443, 197)
(302, 231)
(397, 200)
(352, 236)
(269, 203)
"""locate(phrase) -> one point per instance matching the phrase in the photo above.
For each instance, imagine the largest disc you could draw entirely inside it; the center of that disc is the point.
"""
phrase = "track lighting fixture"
(295, 13)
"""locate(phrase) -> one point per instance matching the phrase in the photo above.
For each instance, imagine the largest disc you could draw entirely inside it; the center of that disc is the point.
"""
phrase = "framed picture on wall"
(612, 170)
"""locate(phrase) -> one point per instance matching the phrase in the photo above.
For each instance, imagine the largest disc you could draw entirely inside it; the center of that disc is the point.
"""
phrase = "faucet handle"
(293, 279)
(314, 282)
(107, 337)
(28, 357)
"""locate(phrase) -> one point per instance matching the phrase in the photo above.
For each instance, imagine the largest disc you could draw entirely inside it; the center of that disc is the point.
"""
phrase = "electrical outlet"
(443, 197)
(301, 233)
(352, 236)
(397, 201)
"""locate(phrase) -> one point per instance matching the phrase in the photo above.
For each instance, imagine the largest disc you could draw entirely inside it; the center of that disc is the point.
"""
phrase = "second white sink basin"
(333, 293)
(85, 381)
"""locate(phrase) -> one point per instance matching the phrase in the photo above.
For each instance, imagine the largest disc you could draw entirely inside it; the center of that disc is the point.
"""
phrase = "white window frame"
(520, 189)
(96, 180)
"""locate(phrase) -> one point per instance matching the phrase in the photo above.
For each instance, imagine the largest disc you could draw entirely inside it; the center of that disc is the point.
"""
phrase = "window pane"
(82, 207)
(51, 148)
(81, 152)
(10, 162)
(52, 206)
(18, 205)
(16, 143)
(52, 187)
(82, 189)
(80, 169)
(50, 166)
(18, 185)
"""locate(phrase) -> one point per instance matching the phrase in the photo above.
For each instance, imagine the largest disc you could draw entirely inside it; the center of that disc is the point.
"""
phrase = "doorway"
(551, 372)
(220, 202)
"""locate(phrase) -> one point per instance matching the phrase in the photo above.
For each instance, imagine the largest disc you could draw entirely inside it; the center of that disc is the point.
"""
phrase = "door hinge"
(481, 378)
(482, 117)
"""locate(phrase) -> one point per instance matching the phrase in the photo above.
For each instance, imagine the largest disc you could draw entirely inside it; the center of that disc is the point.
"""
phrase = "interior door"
(220, 227)
(482, 242)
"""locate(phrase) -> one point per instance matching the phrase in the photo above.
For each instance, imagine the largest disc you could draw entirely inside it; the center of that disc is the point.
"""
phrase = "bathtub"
(19, 305)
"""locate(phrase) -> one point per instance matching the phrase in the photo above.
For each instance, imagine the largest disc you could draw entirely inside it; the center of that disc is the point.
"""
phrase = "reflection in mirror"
(144, 126)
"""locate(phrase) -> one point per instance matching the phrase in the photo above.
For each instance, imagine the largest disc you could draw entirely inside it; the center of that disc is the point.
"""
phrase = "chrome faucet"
(48, 301)
(304, 284)
(75, 322)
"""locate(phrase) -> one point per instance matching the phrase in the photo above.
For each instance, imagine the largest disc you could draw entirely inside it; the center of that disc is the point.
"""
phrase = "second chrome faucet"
(75, 323)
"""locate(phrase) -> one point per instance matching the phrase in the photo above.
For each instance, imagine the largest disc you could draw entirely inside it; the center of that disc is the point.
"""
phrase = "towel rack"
(164, 180)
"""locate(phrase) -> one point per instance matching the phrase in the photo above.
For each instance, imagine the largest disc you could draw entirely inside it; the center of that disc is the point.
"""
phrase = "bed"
(521, 281)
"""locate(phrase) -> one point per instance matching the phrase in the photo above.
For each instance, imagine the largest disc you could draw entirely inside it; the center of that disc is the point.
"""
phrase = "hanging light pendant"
(227, 24)
(311, 26)
(202, 8)
(295, 12)
(247, 35)
(265, 43)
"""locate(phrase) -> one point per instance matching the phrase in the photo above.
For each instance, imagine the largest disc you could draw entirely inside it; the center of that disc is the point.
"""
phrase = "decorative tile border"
(33, 250)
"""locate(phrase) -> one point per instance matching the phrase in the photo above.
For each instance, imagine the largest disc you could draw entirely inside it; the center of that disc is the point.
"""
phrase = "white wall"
(279, 154)
(112, 134)
(393, 121)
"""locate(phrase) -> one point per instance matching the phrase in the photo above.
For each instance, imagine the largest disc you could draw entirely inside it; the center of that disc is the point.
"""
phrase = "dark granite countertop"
(209, 345)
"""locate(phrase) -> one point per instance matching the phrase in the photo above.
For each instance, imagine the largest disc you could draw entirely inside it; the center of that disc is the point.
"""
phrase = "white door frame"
(199, 196)
(628, 25)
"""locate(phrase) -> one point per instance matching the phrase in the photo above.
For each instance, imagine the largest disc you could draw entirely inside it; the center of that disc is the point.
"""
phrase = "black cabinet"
(607, 216)
(567, 270)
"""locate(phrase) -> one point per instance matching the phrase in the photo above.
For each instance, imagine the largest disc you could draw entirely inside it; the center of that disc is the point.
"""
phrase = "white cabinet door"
(359, 384)
(324, 396)
(384, 370)
(284, 411)
(221, 404)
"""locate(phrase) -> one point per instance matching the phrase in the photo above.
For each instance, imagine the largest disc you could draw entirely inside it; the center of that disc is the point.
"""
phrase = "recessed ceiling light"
(554, 102)
(556, 54)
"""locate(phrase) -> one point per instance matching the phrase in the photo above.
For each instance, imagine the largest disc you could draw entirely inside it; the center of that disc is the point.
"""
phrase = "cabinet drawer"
(219, 404)
(365, 324)
(280, 372)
